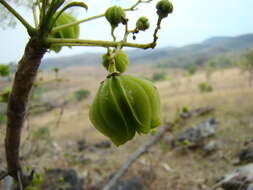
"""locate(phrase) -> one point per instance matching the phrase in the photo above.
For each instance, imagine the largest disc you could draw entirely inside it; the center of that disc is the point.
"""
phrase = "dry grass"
(177, 169)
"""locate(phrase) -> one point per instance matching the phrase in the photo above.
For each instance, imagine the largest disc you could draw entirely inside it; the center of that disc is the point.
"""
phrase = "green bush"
(81, 94)
(205, 87)
(4, 70)
(2, 118)
(191, 69)
(4, 95)
(159, 76)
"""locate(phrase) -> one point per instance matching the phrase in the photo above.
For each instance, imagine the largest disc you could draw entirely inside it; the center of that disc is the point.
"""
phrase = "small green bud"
(121, 61)
(114, 15)
(164, 7)
(142, 23)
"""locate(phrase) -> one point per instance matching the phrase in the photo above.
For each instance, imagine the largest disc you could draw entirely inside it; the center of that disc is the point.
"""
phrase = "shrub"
(2, 118)
(81, 94)
(205, 87)
(4, 70)
(159, 76)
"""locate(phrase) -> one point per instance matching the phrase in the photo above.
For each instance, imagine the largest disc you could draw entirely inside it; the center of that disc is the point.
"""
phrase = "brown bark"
(17, 105)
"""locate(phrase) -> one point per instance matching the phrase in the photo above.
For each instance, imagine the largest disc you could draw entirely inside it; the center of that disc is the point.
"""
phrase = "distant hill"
(170, 56)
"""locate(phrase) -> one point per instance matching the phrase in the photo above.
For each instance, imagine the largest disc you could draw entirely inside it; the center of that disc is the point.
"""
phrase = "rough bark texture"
(17, 105)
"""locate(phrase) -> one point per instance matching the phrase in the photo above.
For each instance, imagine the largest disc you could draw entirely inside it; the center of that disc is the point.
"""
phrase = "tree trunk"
(17, 105)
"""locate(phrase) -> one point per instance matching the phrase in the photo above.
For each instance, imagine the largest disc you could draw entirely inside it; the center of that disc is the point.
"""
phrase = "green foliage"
(185, 109)
(191, 69)
(37, 93)
(36, 182)
(81, 94)
(4, 70)
(2, 118)
(42, 133)
(56, 69)
(159, 76)
(4, 95)
(246, 63)
(205, 87)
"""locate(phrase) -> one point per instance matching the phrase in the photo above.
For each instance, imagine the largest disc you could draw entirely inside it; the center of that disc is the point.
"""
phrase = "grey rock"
(132, 183)
(200, 132)
(250, 187)
(246, 155)
(212, 146)
(103, 144)
(240, 178)
(81, 145)
(196, 112)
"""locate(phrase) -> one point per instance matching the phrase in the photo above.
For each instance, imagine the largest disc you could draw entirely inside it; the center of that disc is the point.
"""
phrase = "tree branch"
(132, 158)
(99, 43)
(17, 105)
(29, 28)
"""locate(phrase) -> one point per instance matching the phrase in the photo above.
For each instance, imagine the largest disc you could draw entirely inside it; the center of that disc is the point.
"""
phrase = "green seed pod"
(114, 15)
(142, 23)
(123, 106)
(70, 32)
(121, 61)
(164, 7)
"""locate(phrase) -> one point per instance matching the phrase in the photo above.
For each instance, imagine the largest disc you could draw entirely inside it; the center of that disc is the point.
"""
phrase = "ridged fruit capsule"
(164, 7)
(142, 23)
(114, 15)
(125, 105)
(121, 61)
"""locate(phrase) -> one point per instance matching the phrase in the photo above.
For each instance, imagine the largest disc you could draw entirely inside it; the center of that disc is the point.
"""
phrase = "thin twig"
(35, 18)
(61, 114)
(158, 26)
(29, 28)
(132, 158)
(20, 181)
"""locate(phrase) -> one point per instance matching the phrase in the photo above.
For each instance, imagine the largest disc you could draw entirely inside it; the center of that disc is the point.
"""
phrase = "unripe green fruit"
(114, 15)
(123, 106)
(120, 59)
(70, 32)
(142, 23)
(164, 7)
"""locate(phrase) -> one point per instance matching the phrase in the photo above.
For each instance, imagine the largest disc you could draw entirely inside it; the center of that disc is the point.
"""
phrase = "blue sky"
(192, 22)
